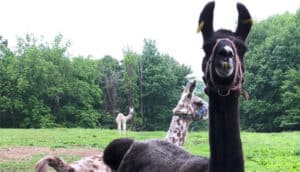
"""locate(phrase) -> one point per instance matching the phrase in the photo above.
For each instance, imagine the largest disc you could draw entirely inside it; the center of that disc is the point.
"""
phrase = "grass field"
(263, 152)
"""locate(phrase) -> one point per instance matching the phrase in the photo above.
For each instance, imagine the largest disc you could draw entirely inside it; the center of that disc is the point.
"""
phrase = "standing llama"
(121, 119)
(223, 68)
(189, 108)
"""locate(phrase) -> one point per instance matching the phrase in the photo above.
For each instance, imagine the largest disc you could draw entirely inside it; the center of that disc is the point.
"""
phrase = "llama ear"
(205, 23)
(244, 22)
(192, 86)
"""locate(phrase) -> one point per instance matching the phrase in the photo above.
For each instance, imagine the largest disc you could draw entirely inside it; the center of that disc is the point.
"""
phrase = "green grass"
(263, 152)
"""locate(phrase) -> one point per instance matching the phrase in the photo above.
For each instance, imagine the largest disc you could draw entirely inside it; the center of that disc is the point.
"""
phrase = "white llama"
(121, 119)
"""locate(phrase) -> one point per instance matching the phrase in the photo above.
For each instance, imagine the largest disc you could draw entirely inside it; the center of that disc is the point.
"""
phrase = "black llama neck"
(224, 134)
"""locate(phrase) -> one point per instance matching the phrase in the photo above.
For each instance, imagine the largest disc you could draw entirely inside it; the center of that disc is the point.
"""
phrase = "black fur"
(159, 156)
(206, 17)
(244, 22)
(115, 151)
(226, 153)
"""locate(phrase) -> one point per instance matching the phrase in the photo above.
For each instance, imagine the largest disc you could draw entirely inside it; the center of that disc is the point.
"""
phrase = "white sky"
(101, 27)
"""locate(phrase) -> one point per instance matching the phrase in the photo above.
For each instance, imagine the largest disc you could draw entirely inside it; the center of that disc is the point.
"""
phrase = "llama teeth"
(225, 65)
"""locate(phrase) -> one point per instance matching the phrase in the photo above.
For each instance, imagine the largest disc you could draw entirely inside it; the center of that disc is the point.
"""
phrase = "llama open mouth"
(225, 68)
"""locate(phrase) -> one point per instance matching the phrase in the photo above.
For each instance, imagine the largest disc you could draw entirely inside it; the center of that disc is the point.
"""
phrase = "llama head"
(115, 151)
(190, 105)
(131, 110)
(200, 108)
(224, 49)
(185, 101)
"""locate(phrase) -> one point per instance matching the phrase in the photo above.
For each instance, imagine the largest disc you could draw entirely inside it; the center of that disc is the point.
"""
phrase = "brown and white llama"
(189, 108)
(88, 164)
(223, 68)
(121, 119)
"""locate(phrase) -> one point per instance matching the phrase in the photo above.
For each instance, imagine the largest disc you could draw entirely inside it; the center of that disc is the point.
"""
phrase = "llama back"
(151, 155)
(92, 163)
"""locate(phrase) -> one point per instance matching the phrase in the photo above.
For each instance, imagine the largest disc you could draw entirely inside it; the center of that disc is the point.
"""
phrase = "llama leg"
(119, 126)
(124, 126)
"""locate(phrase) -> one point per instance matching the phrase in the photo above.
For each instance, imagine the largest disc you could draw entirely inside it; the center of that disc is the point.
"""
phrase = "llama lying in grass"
(87, 164)
(127, 155)
(121, 119)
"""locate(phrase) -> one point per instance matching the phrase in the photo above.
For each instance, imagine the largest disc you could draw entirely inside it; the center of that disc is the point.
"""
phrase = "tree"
(42, 86)
(110, 70)
(274, 48)
(290, 97)
(162, 81)
(129, 84)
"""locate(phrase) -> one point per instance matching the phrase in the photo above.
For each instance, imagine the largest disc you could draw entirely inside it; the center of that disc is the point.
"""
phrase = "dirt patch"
(24, 153)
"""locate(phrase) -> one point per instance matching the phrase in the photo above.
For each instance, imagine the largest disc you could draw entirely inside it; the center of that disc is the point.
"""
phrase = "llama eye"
(241, 48)
(198, 103)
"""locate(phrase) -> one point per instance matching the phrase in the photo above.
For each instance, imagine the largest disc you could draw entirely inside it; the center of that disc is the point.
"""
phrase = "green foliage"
(109, 82)
(162, 84)
(41, 86)
(271, 77)
(129, 83)
(290, 97)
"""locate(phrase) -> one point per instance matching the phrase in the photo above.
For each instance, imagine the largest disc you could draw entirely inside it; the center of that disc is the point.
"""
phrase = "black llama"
(223, 68)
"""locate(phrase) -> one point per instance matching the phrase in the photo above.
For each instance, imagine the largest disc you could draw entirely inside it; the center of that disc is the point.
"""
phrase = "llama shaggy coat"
(158, 156)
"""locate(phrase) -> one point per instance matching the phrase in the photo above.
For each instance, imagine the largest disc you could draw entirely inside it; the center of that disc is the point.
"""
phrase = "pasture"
(20, 149)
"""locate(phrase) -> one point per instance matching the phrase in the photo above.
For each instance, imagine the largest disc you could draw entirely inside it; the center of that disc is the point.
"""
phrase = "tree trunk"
(140, 77)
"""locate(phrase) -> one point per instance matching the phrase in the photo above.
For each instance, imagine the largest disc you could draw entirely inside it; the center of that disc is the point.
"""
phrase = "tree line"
(273, 76)
(42, 86)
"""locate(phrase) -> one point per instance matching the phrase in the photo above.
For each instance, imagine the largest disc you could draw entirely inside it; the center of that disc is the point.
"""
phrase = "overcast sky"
(101, 27)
